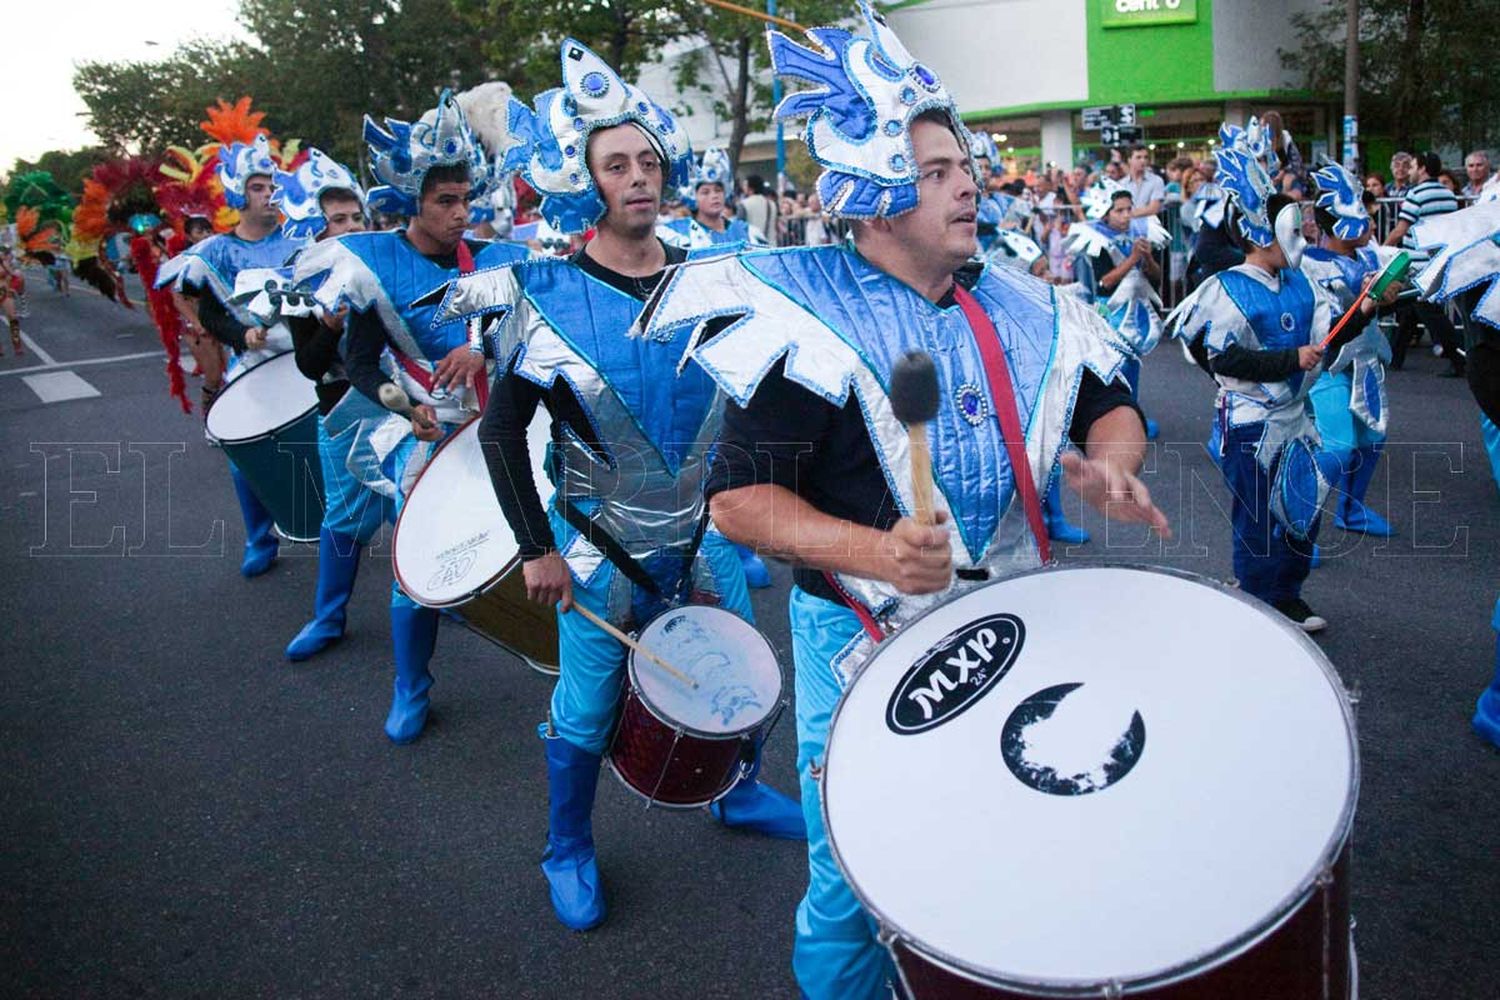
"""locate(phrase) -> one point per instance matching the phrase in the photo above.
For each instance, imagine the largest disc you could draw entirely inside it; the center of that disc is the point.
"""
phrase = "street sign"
(1131, 133)
(1109, 135)
(1096, 118)
(1125, 114)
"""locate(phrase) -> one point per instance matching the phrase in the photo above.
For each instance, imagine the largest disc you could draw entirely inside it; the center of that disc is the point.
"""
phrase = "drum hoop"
(1206, 962)
(660, 716)
(488, 584)
(264, 435)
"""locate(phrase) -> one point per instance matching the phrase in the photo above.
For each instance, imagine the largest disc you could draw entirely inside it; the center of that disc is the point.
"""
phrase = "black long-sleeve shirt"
(1278, 365)
(215, 317)
(317, 353)
(512, 405)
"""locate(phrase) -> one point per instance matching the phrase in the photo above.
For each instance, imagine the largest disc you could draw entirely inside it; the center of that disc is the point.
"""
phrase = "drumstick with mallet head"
(628, 641)
(395, 399)
(914, 399)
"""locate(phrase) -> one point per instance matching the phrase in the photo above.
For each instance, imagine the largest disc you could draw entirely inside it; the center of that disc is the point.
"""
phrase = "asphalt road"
(186, 814)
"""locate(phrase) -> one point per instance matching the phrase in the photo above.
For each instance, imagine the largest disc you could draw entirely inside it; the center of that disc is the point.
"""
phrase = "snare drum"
(266, 420)
(681, 746)
(1100, 782)
(453, 549)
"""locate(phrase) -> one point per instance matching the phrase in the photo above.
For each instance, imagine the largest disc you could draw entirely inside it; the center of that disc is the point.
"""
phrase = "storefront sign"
(1143, 13)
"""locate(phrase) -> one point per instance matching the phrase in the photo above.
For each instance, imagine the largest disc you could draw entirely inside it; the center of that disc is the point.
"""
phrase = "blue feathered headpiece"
(866, 92)
(712, 168)
(297, 192)
(1339, 194)
(402, 153)
(550, 144)
(240, 161)
(1244, 176)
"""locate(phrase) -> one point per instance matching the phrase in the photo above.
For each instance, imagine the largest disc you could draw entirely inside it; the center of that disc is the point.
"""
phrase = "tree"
(1422, 67)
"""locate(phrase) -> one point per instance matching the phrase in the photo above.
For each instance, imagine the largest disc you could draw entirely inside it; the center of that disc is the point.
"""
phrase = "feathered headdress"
(1244, 176)
(1338, 194)
(297, 192)
(114, 193)
(191, 188)
(549, 145)
(866, 92)
(1098, 196)
(402, 153)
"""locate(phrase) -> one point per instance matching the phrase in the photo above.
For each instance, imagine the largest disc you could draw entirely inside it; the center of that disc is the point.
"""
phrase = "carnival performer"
(1349, 400)
(1122, 272)
(1259, 326)
(9, 273)
(626, 536)
(321, 201)
(707, 197)
(207, 271)
(429, 170)
(815, 468)
(1463, 265)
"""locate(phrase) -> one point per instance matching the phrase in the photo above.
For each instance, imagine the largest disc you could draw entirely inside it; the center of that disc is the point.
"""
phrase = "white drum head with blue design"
(1090, 775)
(262, 400)
(452, 538)
(739, 682)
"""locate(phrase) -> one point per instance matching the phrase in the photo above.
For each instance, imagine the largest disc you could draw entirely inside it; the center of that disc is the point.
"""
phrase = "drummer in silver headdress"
(626, 536)
(816, 467)
(431, 170)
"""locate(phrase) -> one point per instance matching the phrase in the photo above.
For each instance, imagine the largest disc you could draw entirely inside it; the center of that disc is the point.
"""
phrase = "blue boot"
(756, 574)
(1153, 429)
(1352, 514)
(338, 563)
(414, 636)
(261, 543)
(1059, 528)
(569, 864)
(1492, 445)
(1487, 710)
(1317, 557)
(750, 805)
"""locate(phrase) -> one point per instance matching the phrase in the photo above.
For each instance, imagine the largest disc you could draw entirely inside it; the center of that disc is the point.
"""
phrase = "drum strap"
(421, 375)
(997, 373)
(866, 619)
(615, 552)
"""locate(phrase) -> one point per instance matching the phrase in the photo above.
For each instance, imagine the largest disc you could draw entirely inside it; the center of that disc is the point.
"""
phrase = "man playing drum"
(626, 536)
(430, 169)
(322, 200)
(820, 475)
(207, 271)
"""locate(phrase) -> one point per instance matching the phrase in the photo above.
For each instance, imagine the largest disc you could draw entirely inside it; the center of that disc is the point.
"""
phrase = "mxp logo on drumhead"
(954, 674)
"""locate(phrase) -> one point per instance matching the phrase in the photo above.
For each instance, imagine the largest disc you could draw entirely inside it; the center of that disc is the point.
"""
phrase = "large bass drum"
(453, 548)
(1100, 782)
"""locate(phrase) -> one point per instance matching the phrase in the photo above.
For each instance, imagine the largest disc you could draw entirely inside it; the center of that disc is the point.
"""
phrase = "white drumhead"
(452, 538)
(739, 683)
(1165, 842)
(264, 399)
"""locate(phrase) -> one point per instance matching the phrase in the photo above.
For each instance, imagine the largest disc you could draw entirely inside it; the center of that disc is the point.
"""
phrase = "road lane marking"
(76, 364)
(36, 349)
(58, 387)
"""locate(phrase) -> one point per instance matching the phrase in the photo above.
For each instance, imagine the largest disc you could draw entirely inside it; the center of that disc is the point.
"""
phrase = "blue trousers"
(1337, 426)
(592, 664)
(835, 955)
(350, 508)
(1491, 444)
(1268, 563)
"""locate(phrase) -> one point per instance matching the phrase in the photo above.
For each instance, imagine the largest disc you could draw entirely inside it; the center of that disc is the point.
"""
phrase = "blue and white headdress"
(1099, 196)
(551, 143)
(1244, 176)
(865, 94)
(402, 153)
(297, 193)
(712, 168)
(240, 161)
(1339, 194)
(981, 143)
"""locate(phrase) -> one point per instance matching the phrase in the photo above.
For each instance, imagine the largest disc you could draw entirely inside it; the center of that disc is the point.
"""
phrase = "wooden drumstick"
(914, 399)
(395, 399)
(628, 641)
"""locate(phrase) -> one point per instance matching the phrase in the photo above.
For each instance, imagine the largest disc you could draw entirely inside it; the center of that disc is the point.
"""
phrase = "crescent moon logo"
(1035, 748)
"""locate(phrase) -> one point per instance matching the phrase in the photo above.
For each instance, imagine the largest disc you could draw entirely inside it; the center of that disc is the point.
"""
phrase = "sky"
(44, 40)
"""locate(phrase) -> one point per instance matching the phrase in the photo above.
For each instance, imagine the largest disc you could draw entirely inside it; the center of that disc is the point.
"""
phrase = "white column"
(1057, 138)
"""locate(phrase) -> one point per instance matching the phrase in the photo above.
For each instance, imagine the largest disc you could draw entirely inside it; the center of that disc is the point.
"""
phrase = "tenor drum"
(684, 746)
(1100, 782)
(266, 420)
(453, 549)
